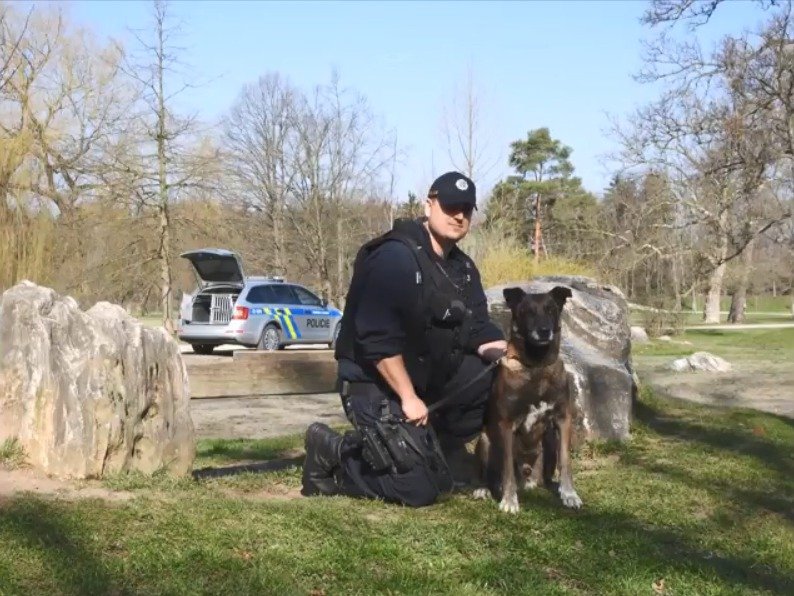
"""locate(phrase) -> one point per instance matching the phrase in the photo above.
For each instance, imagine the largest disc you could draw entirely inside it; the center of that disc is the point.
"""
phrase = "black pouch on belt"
(374, 450)
(403, 450)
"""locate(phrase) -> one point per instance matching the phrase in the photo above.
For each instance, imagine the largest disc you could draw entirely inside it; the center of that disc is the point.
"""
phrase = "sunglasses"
(465, 208)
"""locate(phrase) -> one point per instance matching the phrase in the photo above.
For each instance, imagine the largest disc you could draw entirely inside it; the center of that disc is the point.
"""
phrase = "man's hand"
(415, 410)
(493, 350)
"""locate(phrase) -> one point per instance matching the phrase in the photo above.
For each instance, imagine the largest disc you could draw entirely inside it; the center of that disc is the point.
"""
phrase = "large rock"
(596, 350)
(90, 393)
(639, 335)
(700, 361)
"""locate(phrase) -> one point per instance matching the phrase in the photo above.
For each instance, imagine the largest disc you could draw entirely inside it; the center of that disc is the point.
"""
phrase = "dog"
(530, 411)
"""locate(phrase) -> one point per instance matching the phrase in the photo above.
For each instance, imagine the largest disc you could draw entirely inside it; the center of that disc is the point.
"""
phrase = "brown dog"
(530, 414)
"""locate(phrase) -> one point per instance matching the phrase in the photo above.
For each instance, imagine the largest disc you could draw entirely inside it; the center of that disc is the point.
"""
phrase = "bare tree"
(711, 131)
(466, 131)
(339, 155)
(259, 135)
(165, 157)
(66, 100)
(694, 12)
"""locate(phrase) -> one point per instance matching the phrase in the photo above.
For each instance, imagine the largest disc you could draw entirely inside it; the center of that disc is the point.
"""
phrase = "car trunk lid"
(215, 265)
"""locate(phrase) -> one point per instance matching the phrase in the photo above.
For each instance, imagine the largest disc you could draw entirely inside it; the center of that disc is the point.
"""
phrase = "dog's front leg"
(536, 454)
(567, 491)
(509, 502)
(483, 454)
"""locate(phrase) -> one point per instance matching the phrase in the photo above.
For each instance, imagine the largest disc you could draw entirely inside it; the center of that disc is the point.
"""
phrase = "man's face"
(451, 223)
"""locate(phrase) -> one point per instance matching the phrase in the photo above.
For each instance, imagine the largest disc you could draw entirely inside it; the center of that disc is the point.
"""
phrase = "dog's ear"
(560, 295)
(513, 296)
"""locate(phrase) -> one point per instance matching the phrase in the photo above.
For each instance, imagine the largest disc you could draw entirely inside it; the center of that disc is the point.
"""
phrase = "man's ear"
(513, 296)
(560, 295)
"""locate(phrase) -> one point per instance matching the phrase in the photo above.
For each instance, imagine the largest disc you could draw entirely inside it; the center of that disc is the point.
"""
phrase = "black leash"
(446, 399)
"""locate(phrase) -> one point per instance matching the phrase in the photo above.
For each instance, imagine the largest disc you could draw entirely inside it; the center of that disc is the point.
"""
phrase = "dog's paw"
(509, 504)
(529, 484)
(570, 499)
(481, 493)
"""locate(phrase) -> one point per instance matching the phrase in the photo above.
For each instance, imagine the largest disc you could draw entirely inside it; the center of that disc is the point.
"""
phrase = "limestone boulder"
(639, 335)
(700, 361)
(90, 393)
(596, 350)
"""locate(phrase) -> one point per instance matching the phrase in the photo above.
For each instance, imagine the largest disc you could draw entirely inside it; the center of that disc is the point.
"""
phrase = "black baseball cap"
(453, 188)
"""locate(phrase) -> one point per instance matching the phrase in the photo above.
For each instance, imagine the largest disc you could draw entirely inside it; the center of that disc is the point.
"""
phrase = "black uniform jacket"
(389, 296)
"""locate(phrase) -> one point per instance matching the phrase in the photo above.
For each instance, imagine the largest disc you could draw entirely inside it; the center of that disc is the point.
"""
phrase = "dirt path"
(265, 416)
(755, 384)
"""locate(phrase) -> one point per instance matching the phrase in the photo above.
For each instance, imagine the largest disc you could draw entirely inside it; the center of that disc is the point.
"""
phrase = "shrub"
(11, 454)
(502, 258)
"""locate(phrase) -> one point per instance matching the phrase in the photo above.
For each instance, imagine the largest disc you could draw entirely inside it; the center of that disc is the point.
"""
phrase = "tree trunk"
(676, 284)
(340, 262)
(165, 269)
(738, 304)
(278, 238)
(739, 297)
(162, 175)
(711, 310)
(536, 241)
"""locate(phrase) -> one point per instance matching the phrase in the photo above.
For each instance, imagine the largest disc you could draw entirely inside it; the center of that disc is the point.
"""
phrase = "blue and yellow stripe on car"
(283, 317)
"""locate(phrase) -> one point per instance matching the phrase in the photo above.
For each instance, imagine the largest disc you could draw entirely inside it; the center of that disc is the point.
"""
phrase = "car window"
(306, 297)
(261, 295)
(283, 294)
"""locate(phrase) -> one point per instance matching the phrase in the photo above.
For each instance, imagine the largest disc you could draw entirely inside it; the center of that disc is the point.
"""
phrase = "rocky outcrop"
(700, 361)
(90, 393)
(596, 348)
(639, 335)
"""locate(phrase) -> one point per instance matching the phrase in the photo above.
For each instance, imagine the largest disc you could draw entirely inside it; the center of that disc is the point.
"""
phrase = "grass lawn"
(700, 501)
(771, 345)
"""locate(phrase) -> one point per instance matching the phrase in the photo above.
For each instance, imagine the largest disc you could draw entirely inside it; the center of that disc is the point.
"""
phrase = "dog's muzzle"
(541, 337)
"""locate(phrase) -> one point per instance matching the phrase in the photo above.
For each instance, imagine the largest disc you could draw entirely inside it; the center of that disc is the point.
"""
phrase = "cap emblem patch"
(461, 184)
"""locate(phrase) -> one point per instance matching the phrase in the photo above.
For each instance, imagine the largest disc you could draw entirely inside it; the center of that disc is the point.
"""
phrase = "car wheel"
(335, 336)
(204, 349)
(271, 339)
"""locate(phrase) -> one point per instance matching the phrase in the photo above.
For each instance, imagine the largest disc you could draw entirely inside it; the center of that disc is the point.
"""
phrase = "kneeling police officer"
(415, 332)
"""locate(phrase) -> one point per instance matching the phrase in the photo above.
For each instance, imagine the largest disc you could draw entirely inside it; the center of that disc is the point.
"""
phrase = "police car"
(263, 312)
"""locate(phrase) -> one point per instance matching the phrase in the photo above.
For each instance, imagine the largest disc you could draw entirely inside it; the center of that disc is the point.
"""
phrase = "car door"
(284, 301)
(261, 300)
(315, 318)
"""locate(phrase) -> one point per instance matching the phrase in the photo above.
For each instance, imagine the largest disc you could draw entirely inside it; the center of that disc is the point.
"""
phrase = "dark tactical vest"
(440, 324)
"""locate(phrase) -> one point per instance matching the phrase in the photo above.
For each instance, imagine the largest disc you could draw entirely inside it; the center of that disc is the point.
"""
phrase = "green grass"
(773, 345)
(760, 309)
(701, 498)
(11, 454)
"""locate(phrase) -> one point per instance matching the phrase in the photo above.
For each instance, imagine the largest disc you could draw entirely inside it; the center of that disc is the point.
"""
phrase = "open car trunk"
(214, 305)
(215, 266)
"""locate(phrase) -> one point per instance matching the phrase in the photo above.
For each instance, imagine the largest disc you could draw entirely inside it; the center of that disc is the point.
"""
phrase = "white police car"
(263, 312)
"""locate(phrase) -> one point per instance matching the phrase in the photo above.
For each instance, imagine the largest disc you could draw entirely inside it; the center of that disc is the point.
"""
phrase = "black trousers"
(455, 423)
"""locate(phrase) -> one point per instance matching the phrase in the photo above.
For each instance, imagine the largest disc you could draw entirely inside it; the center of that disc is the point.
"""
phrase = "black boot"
(323, 447)
(462, 463)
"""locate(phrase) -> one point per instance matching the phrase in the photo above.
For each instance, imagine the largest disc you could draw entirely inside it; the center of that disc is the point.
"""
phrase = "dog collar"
(511, 364)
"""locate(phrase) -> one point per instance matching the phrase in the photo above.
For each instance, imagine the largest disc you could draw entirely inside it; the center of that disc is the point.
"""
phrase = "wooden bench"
(252, 372)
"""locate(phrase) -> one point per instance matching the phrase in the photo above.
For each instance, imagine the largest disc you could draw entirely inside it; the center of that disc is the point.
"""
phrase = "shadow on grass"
(236, 450)
(767, 452)
(272, 465)
(644, 550)
(37, 526)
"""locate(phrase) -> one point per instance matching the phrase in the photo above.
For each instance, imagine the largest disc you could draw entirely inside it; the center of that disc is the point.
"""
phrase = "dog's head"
(536, 317)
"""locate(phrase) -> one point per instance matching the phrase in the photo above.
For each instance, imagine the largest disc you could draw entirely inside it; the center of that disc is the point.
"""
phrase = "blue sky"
(562, 64)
